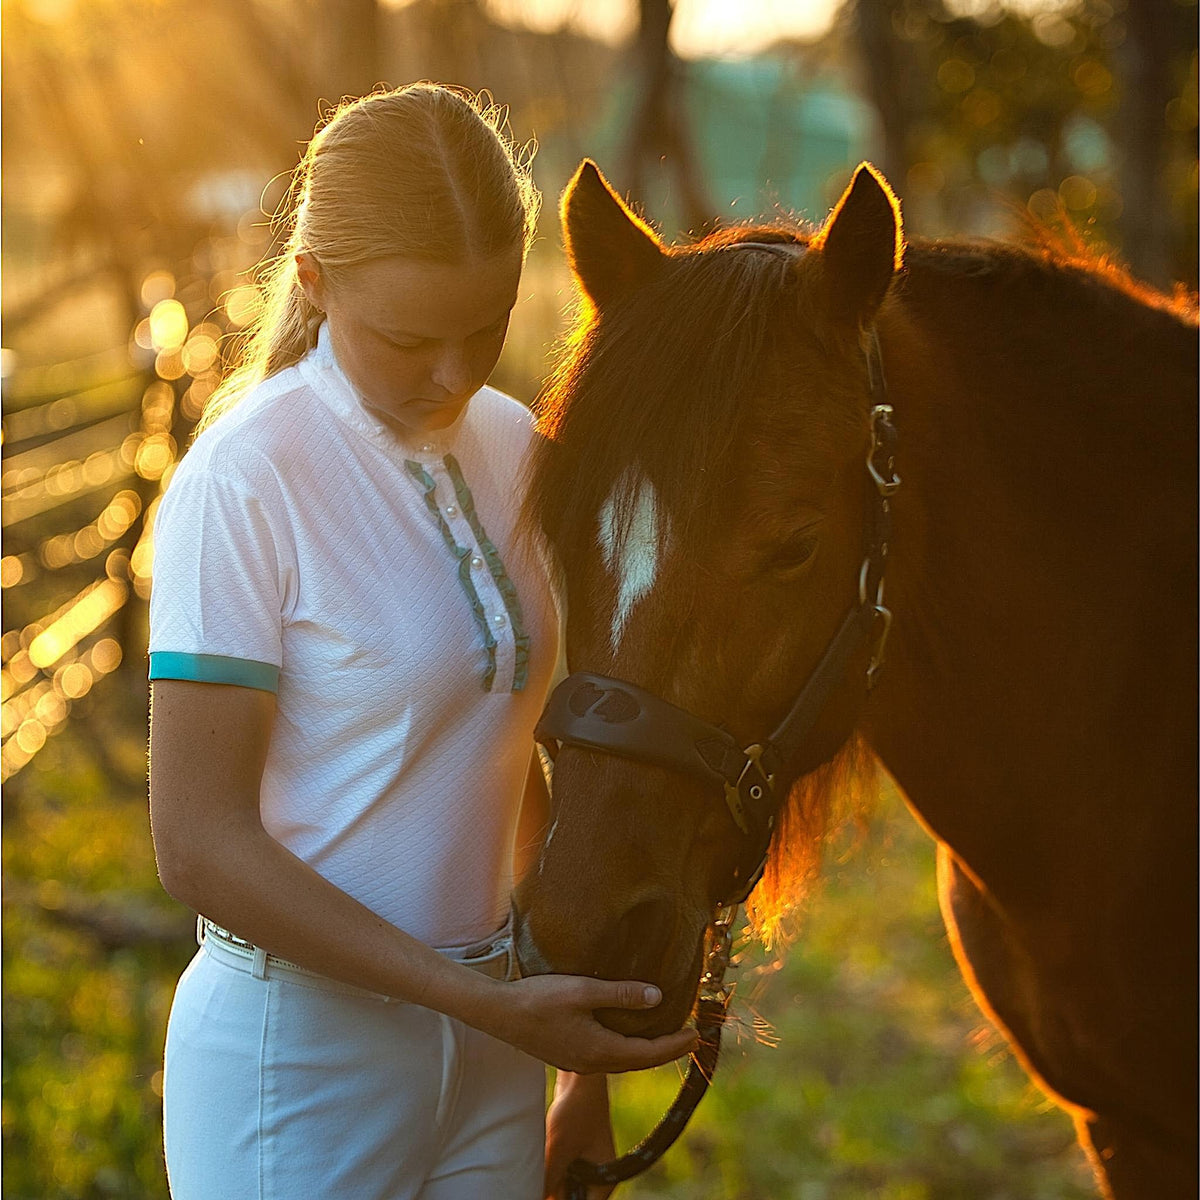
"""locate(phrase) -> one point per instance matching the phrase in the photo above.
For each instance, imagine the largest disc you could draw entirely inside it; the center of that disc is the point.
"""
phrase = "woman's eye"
(491, 330)
(795, 551)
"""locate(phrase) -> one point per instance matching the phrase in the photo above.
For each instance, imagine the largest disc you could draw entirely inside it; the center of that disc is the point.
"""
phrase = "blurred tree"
(1149, 63)
(659, 131)
(887, 74)
(1083, 114)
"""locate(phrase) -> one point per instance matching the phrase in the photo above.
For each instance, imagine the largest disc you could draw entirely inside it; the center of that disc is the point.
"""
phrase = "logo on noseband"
(611, 705)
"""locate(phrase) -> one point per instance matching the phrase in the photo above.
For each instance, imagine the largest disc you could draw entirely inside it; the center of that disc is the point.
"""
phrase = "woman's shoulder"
(271, 422)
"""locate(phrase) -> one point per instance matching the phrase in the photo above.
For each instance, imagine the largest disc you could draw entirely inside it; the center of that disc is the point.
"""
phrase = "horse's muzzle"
(679, 995)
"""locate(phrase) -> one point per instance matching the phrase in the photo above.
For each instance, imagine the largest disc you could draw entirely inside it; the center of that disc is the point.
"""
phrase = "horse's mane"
(1059, 245)
(606, 417)
(1056, 257)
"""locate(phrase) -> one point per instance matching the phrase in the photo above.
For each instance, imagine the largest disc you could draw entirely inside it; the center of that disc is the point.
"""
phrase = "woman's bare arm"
(208, 747)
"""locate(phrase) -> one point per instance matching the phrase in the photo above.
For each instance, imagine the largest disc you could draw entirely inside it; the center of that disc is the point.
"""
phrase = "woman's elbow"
(188, 864)
(178, 869)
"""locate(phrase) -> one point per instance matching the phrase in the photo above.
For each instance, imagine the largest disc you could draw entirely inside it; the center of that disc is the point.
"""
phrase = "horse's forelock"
(654, 387)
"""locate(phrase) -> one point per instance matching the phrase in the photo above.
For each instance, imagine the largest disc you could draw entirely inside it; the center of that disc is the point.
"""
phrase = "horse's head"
(704, 486)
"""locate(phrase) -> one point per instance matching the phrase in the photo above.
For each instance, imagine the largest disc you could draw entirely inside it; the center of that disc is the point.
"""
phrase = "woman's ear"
(610, 249)
(308, 273)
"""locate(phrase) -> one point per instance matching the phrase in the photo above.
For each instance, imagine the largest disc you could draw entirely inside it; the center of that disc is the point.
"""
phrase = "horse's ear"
(862, 246)
(610, 249)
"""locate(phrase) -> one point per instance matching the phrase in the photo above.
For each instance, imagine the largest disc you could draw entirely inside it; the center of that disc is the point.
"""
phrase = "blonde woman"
(348, 655)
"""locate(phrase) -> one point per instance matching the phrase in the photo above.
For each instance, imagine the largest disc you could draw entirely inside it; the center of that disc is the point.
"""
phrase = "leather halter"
(598, 712)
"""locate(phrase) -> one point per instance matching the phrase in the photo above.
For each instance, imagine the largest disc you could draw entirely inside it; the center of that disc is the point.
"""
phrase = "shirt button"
(476, 561)
(427, 448)
(451, 510)
(499, 619)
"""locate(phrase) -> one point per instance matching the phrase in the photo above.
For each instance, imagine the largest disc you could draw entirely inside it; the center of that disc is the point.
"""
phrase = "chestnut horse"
(703, 487)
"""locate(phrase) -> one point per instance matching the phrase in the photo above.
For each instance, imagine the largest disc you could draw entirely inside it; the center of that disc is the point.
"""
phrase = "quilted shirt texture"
(293, 534)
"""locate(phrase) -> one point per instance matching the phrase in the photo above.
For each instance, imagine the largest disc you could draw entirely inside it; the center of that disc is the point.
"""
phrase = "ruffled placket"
(490, 593)
(428, 462)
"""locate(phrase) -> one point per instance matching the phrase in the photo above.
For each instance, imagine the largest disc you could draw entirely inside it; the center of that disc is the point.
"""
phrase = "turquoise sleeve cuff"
(214, 668)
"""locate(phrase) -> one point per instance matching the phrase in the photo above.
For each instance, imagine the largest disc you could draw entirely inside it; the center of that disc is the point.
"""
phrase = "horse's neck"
(1043, 566)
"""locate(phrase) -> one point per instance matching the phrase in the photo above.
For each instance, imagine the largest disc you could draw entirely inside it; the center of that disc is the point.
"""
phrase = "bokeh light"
(242, 305)
(168, 325)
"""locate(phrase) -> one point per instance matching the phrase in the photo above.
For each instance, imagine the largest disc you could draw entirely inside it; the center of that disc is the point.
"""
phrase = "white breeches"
(283, 1085)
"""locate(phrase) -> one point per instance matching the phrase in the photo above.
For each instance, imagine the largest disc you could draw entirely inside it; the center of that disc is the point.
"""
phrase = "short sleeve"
(220, 584)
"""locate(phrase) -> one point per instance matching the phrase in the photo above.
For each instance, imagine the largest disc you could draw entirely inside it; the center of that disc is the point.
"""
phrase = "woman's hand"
(552, 1017)
(577, 1126)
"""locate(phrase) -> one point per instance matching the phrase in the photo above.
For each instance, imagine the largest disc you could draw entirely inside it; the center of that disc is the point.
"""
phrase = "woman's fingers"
(556, 1022)
(634, 1053)
(625, 993)
(637, 1054)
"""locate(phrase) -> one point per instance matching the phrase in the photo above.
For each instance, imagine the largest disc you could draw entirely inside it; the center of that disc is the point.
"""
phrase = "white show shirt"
(378, 586)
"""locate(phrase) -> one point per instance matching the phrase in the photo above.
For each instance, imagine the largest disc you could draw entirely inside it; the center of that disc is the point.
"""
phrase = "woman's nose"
(452, 371)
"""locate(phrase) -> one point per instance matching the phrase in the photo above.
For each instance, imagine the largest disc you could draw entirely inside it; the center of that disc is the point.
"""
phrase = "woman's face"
(417, 339)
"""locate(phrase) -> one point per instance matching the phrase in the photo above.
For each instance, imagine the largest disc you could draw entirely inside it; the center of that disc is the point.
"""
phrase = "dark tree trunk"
(885, 84)
(1146, 217)
(660, 132)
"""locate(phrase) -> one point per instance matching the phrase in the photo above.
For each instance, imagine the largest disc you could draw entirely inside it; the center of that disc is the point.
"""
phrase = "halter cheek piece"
(597, 712)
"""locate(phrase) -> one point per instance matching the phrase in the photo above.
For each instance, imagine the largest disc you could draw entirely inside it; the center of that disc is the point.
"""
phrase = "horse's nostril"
(642, 937)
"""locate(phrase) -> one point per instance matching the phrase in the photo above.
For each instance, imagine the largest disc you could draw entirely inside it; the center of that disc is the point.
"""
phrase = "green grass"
(884, 1081)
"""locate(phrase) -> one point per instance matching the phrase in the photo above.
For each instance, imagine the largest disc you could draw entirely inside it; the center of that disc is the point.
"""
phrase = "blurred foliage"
(91, 947)
(1077, 113)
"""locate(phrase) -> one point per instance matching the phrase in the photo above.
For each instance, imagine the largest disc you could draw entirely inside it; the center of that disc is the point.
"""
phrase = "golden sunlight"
(716, 28)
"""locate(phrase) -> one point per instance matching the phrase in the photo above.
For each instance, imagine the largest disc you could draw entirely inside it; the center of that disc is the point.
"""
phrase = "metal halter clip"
(883, 438)
(875, 667)
(881, 610)
(864, 585)
(755, 790)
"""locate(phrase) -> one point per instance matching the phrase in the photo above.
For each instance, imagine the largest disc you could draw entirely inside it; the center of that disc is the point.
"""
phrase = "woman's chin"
(415, 418)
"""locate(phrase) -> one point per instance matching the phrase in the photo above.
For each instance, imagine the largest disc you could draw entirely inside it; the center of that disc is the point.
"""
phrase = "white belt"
(492, 957)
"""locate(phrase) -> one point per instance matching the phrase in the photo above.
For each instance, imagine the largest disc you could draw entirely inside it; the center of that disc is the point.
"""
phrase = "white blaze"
(631, 554)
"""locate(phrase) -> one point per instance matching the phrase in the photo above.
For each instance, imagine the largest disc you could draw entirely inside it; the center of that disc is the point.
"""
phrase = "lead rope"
(710, 1020)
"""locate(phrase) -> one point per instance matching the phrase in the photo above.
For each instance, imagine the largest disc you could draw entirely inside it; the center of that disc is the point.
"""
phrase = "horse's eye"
(795, 551)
